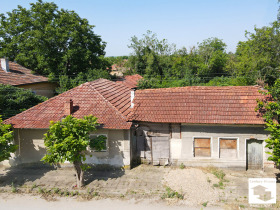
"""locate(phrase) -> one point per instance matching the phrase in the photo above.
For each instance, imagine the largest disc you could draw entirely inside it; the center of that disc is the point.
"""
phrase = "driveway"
(191, 187)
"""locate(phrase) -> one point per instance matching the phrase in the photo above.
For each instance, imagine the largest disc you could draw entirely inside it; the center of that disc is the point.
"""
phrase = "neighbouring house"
(199, 126)
(130, 80)
(196, 126)
(16, 75)
(119, 69)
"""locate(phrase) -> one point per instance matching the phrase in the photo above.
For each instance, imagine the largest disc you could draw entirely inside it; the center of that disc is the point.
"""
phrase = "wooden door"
(254, 154)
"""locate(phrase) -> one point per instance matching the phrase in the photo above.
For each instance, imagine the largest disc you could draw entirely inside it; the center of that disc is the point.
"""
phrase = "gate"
(254, 154)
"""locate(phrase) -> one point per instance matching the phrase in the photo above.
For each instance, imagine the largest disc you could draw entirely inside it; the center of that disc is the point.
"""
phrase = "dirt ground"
(150, 185)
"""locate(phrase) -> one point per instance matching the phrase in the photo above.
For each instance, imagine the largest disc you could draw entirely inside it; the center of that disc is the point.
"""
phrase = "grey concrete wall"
(182, 143)
(31, 147)
(241, 133)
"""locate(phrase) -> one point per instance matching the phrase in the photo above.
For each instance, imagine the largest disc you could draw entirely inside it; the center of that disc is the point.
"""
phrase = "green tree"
(67, 82)
(14, 100)
(50, 41)
(6, 138)
(258, 57)
(150, 55)
(270, 110)
(212, 58)
(69, 139)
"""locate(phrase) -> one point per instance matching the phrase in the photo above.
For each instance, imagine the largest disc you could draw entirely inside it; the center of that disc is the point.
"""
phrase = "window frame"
(211, 146)
(229, 138)
(93, 150)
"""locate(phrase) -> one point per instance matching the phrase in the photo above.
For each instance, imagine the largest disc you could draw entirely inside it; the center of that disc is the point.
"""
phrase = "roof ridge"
(185, 87)
(107, 101)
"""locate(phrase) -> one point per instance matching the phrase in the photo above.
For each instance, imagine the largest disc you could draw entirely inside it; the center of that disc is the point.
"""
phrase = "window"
(98, 141)
(202, 147)
(228, 148)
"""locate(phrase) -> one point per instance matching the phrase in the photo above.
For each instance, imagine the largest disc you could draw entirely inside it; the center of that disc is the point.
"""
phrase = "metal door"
(254, 154)
(160, 150)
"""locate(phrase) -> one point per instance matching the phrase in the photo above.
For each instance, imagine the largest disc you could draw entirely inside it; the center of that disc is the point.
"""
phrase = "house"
(16, 75)
(194, 126)
(106, 100)
(130, 80)
(199, 126)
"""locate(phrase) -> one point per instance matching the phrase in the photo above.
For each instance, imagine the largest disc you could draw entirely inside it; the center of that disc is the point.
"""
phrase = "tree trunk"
(79, 173)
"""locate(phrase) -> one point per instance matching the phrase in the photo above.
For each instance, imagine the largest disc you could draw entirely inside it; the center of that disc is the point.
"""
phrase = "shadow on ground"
(102, 173)
(19, 175)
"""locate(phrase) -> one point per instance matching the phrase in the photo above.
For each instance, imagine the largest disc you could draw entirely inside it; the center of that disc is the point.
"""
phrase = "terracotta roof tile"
(207, 105)
(130, 80)
(19, 75)
(88, 98)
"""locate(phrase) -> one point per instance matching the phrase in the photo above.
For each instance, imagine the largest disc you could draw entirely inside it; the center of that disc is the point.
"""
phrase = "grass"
(182, 166)
(172, 194)
(205, 204)
(13, 188)
(220, 174)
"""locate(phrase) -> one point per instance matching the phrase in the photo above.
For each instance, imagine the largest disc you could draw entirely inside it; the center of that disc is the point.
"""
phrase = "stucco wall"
(182, 143)
(242, 133)
(31, 147)
(44, 88)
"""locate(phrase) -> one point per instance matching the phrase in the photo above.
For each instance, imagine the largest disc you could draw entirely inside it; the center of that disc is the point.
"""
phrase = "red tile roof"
(108, 101)
(198, 105)
(130, 80)
(19, 75)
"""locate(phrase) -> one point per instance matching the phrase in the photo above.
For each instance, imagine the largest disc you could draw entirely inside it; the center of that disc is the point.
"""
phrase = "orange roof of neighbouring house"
(130, 80)
(106, 100)
(198, 105)
(19, 75)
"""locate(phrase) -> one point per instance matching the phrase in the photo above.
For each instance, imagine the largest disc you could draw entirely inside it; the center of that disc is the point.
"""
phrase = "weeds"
(13, 188)
(182, 166)
(220, 174)
(172, 194)
(205, 204)
(33, 186)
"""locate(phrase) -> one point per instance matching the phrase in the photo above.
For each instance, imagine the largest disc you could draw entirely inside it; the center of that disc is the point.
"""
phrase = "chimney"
(132, 97)
(68, 107)
(5, 64)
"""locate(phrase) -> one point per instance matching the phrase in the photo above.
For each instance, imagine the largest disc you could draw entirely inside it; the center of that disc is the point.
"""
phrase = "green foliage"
(205, 204)
(67, 82)
(68, 139)
(182, 166)
(98, 143)
(14, 100)
(172, 194)
(150, 56)
(258, 57)
(49, 40)
(212, 58)
(6, 138)
(270, 110)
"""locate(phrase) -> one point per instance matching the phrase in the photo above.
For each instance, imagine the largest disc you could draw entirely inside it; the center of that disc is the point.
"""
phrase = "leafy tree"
(212, 58)
(6, 138)
(14, 100)
(69, 139)
(150, 55)
(258, 57)
(67, 83)
(48, 40)
(270, 111)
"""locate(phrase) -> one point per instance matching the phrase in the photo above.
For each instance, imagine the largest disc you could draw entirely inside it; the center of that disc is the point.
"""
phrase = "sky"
(182, 22)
